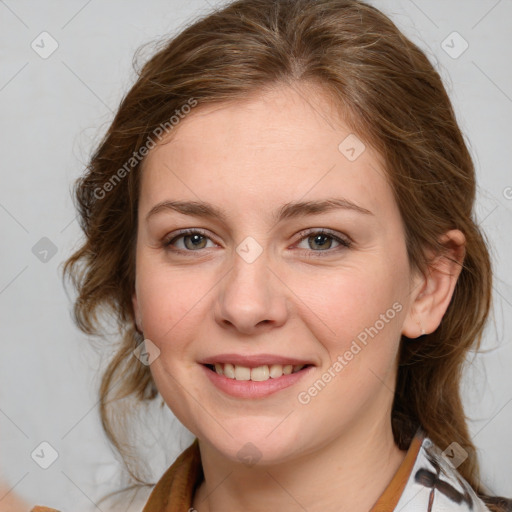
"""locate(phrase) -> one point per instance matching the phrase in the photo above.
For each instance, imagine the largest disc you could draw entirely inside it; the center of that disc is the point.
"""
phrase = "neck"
(349, 472)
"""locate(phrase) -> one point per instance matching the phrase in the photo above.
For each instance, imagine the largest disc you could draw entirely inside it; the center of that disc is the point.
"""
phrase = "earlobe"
(434, 290)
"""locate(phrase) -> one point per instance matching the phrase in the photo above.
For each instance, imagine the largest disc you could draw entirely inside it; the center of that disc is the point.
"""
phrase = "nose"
(251, 297)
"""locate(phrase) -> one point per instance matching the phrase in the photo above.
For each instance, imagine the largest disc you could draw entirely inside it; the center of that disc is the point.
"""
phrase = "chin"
(254, 441)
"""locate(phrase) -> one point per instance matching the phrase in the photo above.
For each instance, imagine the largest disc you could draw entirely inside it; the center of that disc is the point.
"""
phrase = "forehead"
(282, 145)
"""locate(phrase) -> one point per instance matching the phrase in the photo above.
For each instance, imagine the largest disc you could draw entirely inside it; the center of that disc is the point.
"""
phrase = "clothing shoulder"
(435, 485)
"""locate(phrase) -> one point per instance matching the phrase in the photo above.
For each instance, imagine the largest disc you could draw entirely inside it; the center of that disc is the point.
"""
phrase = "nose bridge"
(250, 295)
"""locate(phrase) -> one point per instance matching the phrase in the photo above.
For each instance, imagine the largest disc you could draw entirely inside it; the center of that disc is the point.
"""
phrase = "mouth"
(260, 373)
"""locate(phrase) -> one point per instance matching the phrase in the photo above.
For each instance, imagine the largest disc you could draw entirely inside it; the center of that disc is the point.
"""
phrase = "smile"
(257, 382)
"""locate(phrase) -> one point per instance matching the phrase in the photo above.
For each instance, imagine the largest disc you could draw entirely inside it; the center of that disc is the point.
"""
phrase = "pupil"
(320, 237)
(196, 239)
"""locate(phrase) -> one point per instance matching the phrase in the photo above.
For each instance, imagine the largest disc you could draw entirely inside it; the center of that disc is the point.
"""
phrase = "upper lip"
(254, 360)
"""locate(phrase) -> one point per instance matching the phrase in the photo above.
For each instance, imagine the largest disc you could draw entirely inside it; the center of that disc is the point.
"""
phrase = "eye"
(322, 240)
(193, 239)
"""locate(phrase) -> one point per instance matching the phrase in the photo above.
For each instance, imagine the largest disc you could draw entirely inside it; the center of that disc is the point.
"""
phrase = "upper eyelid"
(186, 232)
(326, 231)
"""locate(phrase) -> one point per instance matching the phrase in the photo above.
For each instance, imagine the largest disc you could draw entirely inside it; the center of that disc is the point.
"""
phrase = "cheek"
(358, 323)
(342, 303)
(167, 297)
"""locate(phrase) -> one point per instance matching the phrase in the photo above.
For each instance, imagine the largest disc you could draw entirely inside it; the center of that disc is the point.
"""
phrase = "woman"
(280, 217)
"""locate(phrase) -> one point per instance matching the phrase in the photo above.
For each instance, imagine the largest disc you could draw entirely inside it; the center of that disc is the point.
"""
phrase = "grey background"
(53, 112)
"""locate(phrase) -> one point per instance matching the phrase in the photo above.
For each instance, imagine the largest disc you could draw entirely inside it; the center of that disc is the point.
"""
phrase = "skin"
(250, 158)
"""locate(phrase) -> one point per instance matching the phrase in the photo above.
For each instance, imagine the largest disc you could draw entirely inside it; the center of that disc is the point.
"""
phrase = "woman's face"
(260, 288)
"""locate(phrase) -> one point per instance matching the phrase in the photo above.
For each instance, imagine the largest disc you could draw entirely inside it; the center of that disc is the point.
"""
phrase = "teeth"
(287, 369)
(229, 371)
(276, 370)
(242, 373)
(258, 374)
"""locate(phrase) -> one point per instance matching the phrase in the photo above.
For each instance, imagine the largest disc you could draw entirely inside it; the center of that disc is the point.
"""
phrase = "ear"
(433, 291)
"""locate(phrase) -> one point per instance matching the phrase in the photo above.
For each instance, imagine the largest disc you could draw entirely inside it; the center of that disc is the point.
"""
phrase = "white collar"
(435, 485)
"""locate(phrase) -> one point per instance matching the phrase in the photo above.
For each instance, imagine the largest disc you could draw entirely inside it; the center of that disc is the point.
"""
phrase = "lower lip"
(254, 389)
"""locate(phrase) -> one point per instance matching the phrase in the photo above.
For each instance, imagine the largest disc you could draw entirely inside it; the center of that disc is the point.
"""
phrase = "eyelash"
(344, 243)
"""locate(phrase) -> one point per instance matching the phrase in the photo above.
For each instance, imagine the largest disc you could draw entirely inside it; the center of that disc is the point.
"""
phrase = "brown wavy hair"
(389, 94)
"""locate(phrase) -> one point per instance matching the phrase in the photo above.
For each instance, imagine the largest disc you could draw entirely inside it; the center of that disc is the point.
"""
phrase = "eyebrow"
(287, 211)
